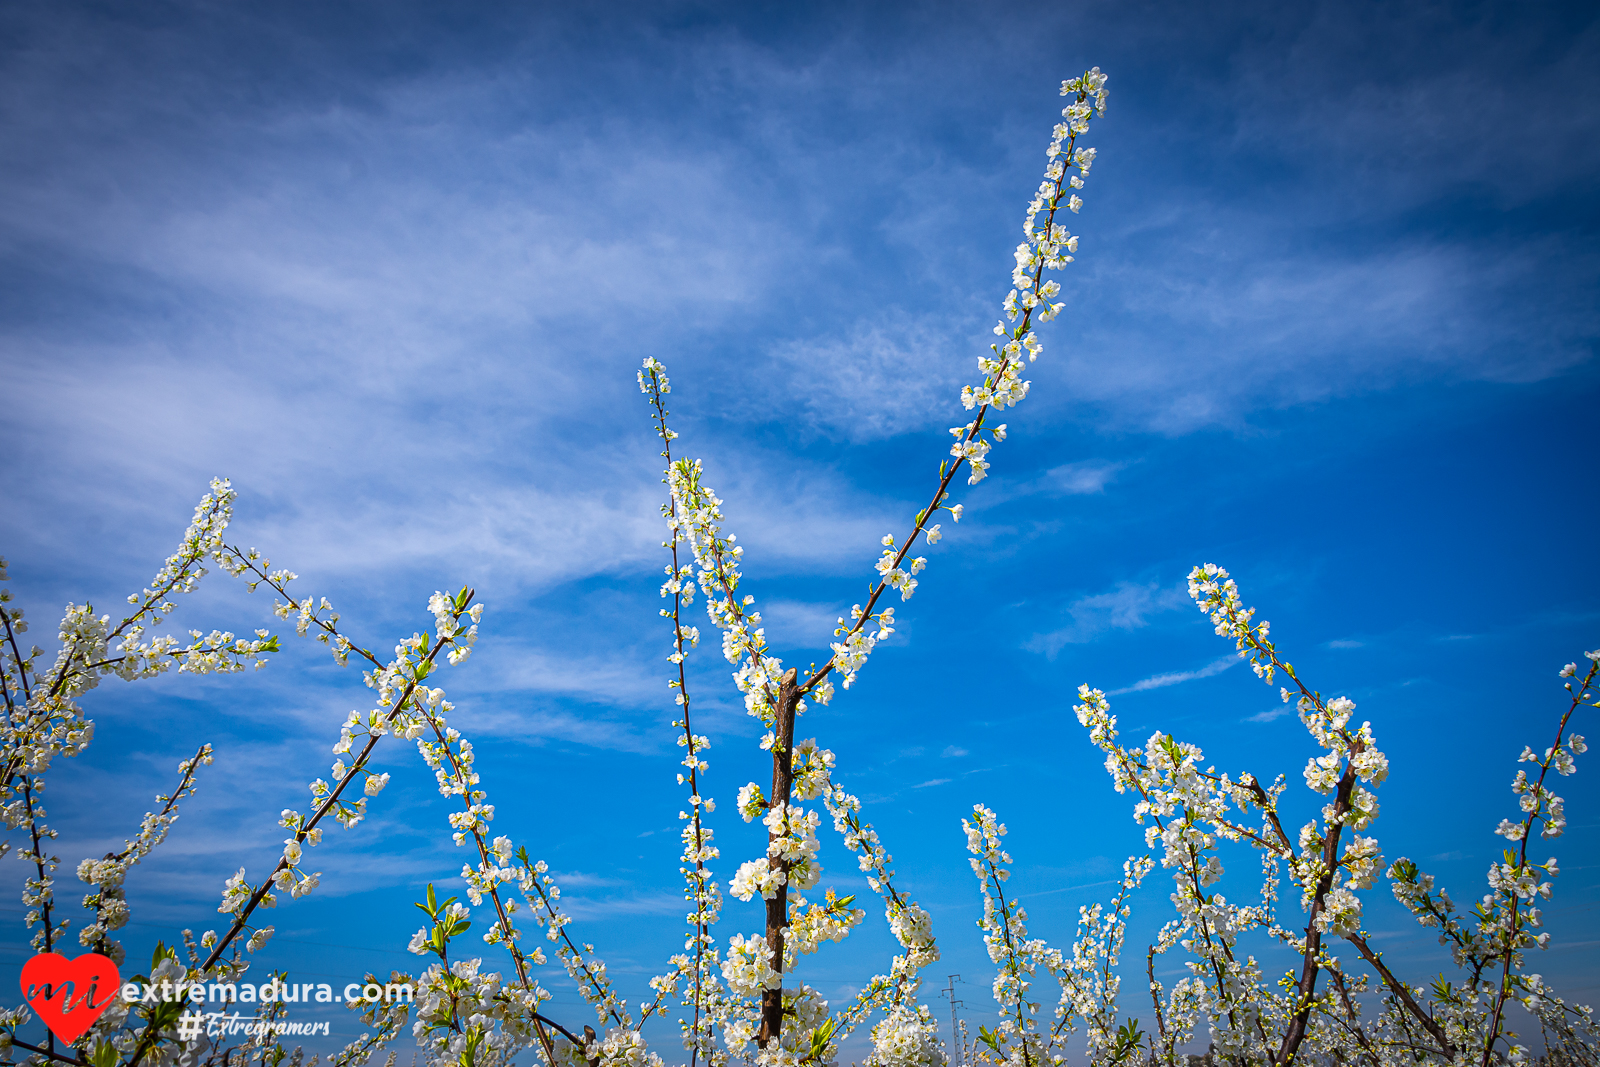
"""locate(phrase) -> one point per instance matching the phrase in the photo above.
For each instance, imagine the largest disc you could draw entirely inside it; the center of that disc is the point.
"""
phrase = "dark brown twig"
(778, 906)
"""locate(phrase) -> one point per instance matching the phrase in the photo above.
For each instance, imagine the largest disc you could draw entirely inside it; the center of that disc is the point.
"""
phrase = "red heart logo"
(69, 995)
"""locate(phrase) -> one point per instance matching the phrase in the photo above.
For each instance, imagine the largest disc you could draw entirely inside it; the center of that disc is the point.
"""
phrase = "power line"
(955, 1028)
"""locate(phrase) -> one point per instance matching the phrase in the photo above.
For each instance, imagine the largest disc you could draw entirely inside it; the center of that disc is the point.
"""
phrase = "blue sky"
(390, 267)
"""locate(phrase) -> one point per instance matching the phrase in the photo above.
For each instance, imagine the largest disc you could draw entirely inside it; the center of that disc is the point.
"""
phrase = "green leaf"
(1128, 1037)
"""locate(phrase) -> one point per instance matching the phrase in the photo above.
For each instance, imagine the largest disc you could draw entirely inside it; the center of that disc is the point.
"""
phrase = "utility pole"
(955, 1030)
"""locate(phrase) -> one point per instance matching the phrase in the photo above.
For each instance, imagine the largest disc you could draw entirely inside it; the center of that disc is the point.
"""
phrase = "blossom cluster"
(405, 706)
(1046, 246)
(1190, 810)
(697, 516)
(907, 1037)
(43, 719)
(108, 898)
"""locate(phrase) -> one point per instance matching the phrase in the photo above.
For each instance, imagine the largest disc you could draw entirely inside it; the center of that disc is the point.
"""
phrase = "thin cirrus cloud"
(1161, 681)
(1126, 606)
(393, 257)
(1270, 715)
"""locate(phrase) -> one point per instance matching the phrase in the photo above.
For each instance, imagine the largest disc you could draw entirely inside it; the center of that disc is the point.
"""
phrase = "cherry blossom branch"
(778, 903)
(1001, 387)
(1402, 993)
(181, 573)
(45, 893)
(107, 874)
(1551, 756)
(307, 829)
(1155, 1001)
(46, 1053)
(1304, 988)
(680, 575)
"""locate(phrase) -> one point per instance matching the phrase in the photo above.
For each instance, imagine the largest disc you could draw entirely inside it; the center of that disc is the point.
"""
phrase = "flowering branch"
(1188, 810)
(700, 889)
(398, 685)
(1045, 246)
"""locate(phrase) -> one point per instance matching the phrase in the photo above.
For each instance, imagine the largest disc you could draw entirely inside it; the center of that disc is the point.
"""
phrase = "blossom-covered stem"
(1009, 357)
(702, 919)
(1509, 951)
(1403, 994)
(984, 834)
(599, 987)
(698, 517)
(907, 920)
(250, 560)
(106, 875)
(387, 1023)
(1216, 593)
(330, 803)
(1306, 987)
(22, 664)
(484, 856)
(1189, 860)
(46, 1053)
(1011, 961)
(1350, 1021)
(778, 905)
(46, 892)
(215, 506)
(1155, 1000)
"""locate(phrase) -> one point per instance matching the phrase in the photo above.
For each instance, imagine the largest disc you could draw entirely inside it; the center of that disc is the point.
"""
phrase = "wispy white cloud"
(1159, 681)
(1127, 606)
(1084, 478)
(640, 903)
(799, 622)
(1259, 331)
(879, 376)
